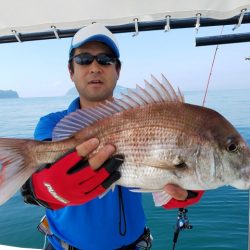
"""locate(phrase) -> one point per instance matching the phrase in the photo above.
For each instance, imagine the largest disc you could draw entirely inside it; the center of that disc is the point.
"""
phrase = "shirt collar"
(74, 105)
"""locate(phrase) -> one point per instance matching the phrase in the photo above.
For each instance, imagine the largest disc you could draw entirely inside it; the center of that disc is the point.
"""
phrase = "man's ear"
(71, 73)
(118, 72)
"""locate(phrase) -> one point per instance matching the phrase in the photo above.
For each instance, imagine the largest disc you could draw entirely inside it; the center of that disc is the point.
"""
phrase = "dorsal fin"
(168, 86)
(154, 92)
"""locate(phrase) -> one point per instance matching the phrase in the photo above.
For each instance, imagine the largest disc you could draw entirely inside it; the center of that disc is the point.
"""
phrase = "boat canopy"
(35, 20)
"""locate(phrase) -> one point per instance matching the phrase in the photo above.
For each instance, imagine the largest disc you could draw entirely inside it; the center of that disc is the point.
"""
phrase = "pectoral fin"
(161, 198)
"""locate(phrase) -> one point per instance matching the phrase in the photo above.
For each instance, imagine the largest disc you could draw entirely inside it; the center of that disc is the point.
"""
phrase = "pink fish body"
(163, 139)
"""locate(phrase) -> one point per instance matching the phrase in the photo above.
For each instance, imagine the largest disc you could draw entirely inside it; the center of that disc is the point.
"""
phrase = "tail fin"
(14, 170)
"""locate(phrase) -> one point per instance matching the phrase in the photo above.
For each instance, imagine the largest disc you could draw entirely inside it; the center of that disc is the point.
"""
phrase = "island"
(8, 94)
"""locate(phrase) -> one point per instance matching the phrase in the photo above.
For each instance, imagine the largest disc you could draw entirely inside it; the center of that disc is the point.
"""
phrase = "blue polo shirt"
(103, 223)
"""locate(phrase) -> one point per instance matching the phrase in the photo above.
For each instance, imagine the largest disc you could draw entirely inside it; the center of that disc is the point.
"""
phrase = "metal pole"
(223, 39)
(130, 27)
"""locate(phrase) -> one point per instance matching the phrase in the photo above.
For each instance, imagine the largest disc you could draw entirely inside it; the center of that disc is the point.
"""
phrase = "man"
(70, 187)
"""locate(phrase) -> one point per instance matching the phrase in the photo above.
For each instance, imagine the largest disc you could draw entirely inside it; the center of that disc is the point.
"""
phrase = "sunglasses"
(87, 59)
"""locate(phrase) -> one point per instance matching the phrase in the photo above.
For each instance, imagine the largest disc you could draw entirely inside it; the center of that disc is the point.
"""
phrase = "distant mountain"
(118, 90)
(8, 94)
(72, 92)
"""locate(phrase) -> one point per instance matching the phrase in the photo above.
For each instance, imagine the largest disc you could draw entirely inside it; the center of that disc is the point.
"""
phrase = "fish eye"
(181, 165)
(232, 147)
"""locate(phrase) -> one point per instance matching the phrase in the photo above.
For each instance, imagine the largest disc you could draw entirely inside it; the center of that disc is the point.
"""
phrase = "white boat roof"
(38, 16)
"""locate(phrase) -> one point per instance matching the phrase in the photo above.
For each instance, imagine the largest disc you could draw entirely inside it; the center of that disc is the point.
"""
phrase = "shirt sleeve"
(173, 203)
(46, 125)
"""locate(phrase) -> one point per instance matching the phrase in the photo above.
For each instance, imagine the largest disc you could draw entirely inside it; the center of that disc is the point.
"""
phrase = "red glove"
(192, 198)
(71, 181)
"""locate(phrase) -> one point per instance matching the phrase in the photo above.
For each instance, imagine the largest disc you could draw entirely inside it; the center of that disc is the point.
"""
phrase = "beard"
(96, 95)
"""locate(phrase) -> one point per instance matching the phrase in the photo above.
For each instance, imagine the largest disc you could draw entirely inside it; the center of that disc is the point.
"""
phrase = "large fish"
(164, 140)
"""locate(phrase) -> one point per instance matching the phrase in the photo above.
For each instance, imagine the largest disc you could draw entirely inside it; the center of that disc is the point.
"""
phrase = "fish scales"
(148, 134)
(151, 136)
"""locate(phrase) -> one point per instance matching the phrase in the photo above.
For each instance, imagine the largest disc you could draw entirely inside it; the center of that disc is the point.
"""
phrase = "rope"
(122, 216)
(211, 70)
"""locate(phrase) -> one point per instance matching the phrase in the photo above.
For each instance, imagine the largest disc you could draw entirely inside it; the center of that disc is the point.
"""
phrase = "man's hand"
(176, 192)
(73, 180)
(95, 161)
(181, 197)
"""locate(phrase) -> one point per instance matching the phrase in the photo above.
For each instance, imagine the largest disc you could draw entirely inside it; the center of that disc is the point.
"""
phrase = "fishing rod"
(182, 223)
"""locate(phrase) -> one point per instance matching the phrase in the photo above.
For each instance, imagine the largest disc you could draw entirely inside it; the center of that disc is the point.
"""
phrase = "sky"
(39, 68)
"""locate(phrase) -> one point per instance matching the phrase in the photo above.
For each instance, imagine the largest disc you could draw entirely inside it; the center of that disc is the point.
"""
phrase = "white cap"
(95, 32)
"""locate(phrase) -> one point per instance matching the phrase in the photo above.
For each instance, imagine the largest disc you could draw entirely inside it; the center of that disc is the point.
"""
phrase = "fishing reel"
(182, 223)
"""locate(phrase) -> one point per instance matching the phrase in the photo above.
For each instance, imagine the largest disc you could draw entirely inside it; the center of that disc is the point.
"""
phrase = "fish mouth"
(244, 181)
(241, 184)
(245, 172)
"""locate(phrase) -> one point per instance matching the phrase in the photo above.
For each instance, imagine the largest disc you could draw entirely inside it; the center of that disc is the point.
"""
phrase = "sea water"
(220, 219)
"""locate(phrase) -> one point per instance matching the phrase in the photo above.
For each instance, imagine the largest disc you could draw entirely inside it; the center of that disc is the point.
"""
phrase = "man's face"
(94, 82)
